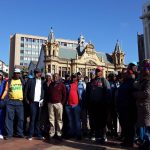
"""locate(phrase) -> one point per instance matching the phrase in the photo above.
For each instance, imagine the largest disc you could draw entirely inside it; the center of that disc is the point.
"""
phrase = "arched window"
(54, 53)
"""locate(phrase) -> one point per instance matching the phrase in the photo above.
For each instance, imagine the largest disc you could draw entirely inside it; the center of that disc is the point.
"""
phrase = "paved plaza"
(24, 144)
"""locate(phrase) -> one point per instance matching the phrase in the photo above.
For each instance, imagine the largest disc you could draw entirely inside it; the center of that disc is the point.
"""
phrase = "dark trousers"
(2, 121)
(14, 108)
(98, 113)
(34, 127)
(127, 119)
(112, 120)
(74, 123)
(84, 123)
(26, 115)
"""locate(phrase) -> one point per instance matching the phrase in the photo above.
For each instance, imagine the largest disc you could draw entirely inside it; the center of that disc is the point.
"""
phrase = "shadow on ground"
(87, 145)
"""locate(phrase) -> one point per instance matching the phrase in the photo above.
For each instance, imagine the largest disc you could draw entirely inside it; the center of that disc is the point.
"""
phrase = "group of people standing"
(74, 108)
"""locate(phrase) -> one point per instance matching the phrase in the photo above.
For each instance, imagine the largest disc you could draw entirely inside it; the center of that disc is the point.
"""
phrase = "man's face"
(98, 72)
(134, 68)
(17, 75)
(1, 77)
(79, 77)
(92, 76)
(48, 78)
(74, 79)
(56, 77)
(38, 75)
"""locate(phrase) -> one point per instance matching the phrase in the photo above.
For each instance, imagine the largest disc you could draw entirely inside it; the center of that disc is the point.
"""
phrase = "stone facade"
(56, 58)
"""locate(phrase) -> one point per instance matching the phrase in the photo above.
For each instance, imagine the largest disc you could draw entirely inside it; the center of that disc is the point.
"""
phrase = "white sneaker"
(93, 139)
(1, 137)
(30, 138)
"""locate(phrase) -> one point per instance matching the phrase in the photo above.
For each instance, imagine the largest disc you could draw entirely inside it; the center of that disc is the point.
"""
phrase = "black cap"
(67, 75)
(37, 70)
(73, 75)
(79, 73)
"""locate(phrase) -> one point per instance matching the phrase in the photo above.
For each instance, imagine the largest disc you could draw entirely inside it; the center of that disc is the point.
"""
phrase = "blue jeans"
(74, 123)
(2, 121)
(141, 133)
(34, 127)
(14, 108)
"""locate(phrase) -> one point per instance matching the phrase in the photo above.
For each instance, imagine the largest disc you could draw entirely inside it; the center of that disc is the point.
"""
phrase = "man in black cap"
(34, 94)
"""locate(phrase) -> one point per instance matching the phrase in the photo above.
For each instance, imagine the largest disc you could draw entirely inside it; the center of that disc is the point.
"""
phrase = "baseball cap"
(67, 75)
(17, 70)
(99, 68)
(79, 73)
(73, 75)
(48, 74)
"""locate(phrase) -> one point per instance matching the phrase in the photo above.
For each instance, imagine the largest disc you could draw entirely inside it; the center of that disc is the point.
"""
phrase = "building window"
(49, 68)
(22, 39)
(148, 8)
(30, 40)
(21, 64)
(54, 53)
(68, 70)
(22, 51)
(49, 52)
(29, 45)
(21, 57)
(53, 69)
(33, 40)
(33, 46)
(29, 52)
(22, 44)
(89, 72)
(82, 70)
(26, 39)
(25, 64)
(37, 41)
(63, 44)
(60, 71)
(64, 71)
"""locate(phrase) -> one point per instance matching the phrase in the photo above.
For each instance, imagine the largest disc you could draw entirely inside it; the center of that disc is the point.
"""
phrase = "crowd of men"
(77, 107)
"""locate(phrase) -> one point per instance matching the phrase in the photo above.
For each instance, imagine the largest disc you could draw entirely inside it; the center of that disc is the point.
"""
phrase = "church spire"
(117, 48)
(51, 37)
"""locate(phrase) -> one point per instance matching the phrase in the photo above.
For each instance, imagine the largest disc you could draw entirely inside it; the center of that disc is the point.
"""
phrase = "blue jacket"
(2, 88)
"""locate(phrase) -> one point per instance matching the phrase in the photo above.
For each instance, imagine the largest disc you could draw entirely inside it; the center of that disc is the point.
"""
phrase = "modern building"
(4, 68)
(141, 52)
(146, 27)
(23, 49)
(70, 56)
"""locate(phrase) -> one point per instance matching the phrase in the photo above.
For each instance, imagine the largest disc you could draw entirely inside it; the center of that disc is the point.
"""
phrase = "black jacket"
(30, 90)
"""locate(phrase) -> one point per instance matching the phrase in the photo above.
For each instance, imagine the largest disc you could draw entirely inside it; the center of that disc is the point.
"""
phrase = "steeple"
(118, 55)
(81, 40)
(117, 48)
(51, 37)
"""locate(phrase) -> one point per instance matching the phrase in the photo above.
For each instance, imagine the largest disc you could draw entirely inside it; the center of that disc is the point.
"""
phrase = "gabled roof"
(106, 57)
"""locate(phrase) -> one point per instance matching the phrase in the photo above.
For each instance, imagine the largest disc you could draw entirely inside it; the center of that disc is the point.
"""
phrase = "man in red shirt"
(56, 99)
(73, 109)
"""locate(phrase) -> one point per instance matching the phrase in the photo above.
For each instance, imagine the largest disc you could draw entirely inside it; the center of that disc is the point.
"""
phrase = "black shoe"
(59, 138)
(7, 138)
(126, 144)
(20, 136)
(40, 138)
(79, 138)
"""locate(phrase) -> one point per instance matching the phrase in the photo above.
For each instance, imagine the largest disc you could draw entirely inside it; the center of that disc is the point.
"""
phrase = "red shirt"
(73, 94)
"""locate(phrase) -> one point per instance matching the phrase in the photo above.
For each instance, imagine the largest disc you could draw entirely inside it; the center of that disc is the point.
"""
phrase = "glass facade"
(30, 50)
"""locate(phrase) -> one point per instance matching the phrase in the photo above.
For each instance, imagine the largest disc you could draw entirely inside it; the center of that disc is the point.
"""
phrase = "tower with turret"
(52, 46)
(118, 56)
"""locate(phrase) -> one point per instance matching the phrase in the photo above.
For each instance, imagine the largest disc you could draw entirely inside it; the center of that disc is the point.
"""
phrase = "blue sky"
(101, 22)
